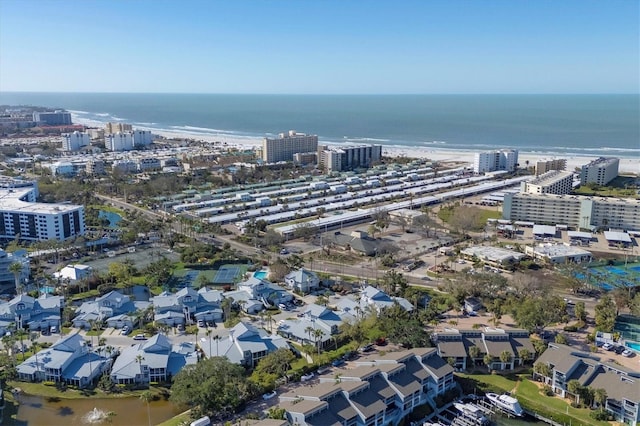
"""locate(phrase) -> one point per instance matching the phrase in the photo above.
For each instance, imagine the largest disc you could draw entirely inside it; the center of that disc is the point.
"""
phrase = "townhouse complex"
(380, 390)
(564, 364)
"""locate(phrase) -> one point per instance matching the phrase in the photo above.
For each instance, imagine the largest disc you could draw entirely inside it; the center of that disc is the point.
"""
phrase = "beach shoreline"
(627, 165)
(226, 140)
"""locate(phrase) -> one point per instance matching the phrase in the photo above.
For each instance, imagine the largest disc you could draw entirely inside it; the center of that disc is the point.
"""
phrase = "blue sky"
(324, 47)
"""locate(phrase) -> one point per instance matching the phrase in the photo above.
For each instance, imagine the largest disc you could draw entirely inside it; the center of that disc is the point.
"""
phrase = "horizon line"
(327, 94)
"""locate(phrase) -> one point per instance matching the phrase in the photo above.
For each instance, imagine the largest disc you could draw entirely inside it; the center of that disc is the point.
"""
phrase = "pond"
(113, 218)
(129, 411)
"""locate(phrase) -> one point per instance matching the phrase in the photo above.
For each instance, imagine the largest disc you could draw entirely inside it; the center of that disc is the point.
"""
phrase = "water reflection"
(129, 411)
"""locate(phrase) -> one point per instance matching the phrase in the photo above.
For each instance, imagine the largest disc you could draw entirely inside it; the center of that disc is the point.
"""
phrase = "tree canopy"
(212, 386)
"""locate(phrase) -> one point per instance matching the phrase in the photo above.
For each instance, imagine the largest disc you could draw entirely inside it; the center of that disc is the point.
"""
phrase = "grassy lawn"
(94, 332)
(489, 214)
(530, 397)
(51, 391)
(181, 418)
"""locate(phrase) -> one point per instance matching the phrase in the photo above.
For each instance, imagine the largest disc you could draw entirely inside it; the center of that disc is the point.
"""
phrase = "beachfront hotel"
(286, 145)
(21, 216)
(49, 118)
(600, 171)
(338, 159)
(553, 182)
(573, 210)
(491, 161)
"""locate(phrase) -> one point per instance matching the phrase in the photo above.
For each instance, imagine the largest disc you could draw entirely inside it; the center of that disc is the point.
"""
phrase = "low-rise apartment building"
(553, 182)
(560, 364)
(380, 390)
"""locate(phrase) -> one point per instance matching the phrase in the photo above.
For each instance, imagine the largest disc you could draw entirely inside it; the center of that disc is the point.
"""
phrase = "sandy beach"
(627, 165)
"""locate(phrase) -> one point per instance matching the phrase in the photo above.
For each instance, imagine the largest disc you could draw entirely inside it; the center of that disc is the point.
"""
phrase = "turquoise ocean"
(579, 125)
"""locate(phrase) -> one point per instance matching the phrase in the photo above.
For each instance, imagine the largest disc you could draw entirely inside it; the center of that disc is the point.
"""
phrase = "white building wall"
(74, 141)
(119, 142)
(142, 138)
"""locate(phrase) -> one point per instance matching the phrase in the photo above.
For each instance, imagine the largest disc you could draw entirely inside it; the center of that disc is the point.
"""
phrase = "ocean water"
(548, 124)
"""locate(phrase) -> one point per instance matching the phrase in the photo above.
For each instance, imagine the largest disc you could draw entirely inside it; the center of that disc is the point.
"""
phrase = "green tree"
(542, 369)
(488, 360)
(605, 314)
(600, 397)
(505, 357)
(212, 386)
(276, 413)
(16, 269)
(580, 312)
(474, 352)
(524, 354)
(574, 387)
(561, 338)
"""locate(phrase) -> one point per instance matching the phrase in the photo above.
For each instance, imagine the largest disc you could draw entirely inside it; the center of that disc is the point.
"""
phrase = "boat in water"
(506, 403)
(471, 412)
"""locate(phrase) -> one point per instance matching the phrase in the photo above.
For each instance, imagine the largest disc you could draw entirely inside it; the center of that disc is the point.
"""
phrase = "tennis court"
(228, 273)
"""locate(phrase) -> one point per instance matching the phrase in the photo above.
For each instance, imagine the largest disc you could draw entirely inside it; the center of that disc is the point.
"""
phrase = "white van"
(202, 421)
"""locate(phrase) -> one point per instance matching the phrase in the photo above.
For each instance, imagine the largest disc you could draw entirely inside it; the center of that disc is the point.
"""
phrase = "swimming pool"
(633, 345)
(261, 275)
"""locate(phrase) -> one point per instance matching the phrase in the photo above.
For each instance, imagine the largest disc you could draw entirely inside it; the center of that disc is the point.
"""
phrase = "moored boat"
(507, 403)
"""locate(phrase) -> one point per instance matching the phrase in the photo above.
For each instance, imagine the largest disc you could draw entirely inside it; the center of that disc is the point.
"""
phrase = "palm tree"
(488, 360)
(317, 334)
(505, 357)
(147, 397)
(474, 353)
(16, 269)
(309, 330)
(139, 359)
(600, 397)
(208, 333)
(524, 355)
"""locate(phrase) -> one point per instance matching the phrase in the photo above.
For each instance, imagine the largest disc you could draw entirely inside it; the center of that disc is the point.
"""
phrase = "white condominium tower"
(600, 171)
(21, 216)
(490, 161)
(74, 141)
(286, 145)
(553, 182)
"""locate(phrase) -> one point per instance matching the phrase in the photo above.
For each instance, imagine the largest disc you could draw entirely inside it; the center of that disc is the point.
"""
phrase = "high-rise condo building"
(573, 210)
(286, 145)
(491, 161)
(554, 182)
(600, 171)
(57, 118)
(117, 127)
(142, 138)
(74, 141)
(119, 142)
(337, 159)
(21, 216)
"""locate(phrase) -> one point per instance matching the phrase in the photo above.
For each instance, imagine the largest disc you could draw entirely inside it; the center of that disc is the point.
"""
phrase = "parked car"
(323, 370)
(619, 349)
(366, 348)
(284, 251)
(607, 347)
(627, 353)
(201, 323)
(381, 341)
(307, 377)
(125, 330)
(53, 329)
(350, 355)
(269, 395)
(338, 362)
(139, 337)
